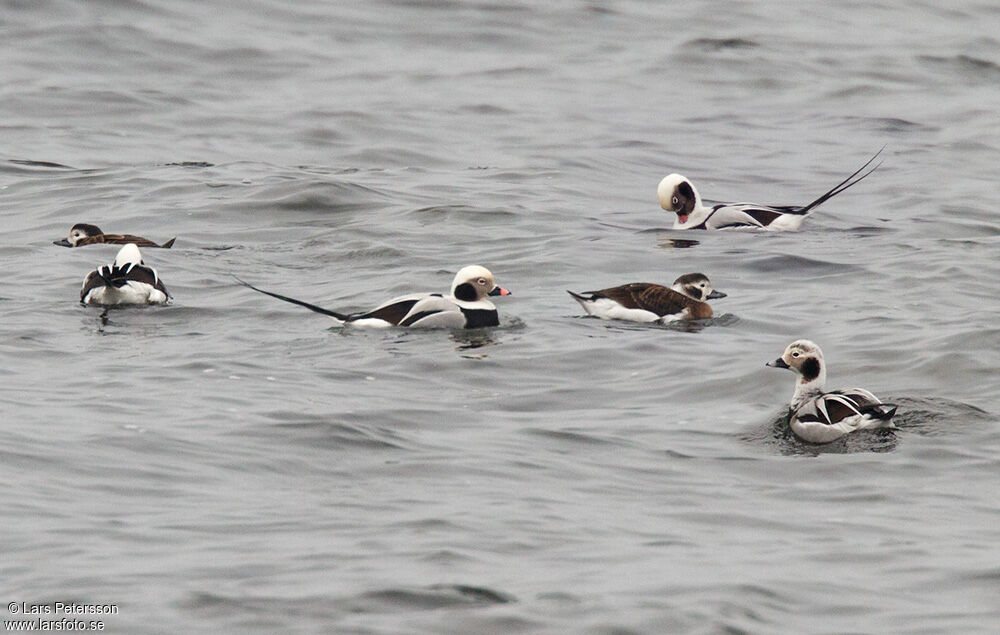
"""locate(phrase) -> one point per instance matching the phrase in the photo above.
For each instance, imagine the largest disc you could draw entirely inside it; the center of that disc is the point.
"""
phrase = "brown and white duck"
(86, 234)
(648, 302)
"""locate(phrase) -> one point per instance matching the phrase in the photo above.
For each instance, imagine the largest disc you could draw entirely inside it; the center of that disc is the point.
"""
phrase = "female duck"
(648, 302)
(86, 234)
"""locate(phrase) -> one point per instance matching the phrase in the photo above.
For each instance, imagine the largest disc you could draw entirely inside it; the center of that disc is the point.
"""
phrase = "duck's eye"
(674, 200)
(481, 282)
(795, 354)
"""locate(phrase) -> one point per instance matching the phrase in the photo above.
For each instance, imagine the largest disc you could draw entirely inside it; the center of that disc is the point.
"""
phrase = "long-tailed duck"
(85, 234)
(678, 195)
(465, 307)
(127, 281)
(821, 417)
(648, 302)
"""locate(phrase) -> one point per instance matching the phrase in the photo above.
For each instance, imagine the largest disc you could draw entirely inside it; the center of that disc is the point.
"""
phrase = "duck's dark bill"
(778, 363)
(62, 243)
(715, 295)
(499, 291)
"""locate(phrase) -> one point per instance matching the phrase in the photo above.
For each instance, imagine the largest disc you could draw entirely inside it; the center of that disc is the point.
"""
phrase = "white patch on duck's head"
(696, 286)
(80, 231)
(128, 255)
(473, 283)
(677, 194)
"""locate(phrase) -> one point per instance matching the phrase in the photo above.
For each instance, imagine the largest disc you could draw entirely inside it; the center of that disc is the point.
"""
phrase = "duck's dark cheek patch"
(689, 205)
(810, 369)
(465, 292)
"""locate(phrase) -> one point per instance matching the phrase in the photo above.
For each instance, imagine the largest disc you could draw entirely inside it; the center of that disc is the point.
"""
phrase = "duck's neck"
(808, 389)
(679, 288)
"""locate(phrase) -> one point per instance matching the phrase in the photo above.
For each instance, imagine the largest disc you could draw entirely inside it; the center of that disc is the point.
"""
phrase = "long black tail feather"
(312, 307)
(843, 185)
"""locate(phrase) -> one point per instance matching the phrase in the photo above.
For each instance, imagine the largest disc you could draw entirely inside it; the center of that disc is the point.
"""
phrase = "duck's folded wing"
(393, 311)
(93, 281)
(647, 296)
(837, 407)
(744, 215)
(859, 395)
(833, 407)
(142, 273)
(629, 296)
(846, 410)
(869, 404)
(663, 300)
(148, 275)
(117, 239)
(435, 311)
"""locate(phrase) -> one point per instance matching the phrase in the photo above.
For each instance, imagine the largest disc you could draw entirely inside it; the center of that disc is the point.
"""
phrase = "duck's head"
(128, 255)
(77, 233)
(677, 195)
(804, 358)
(474, 283)
(696, 286)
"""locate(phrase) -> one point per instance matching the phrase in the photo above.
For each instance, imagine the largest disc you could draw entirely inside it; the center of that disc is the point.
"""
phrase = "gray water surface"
(231, 463)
